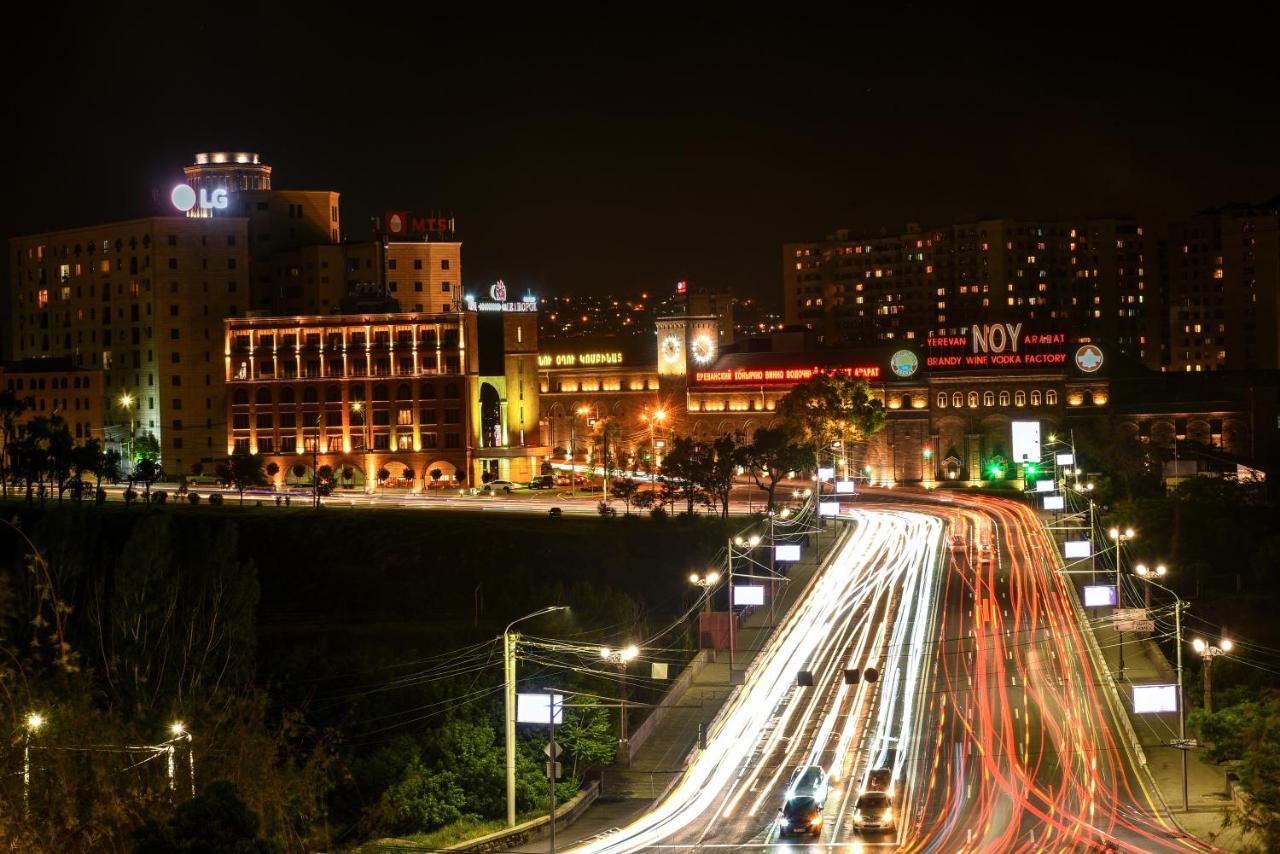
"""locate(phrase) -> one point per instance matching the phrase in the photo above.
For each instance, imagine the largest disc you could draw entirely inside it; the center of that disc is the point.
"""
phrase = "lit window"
(1019, 398)
(988, 399)
(1035, 398)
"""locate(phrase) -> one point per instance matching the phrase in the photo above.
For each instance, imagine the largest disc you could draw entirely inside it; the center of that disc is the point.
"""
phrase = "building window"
(1004, 398)
(988, 398)
(942, 400)
(1035, 398)
(452, 440)
(428, 440)
(973, 399)
(957, 400)
(1019, 398)
(404, 417)
(444, 263)
(1051, 397)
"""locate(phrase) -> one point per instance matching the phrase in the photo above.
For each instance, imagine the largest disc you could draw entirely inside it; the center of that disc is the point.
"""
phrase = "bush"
(159, 496)
(193, 497)
(658, 513)
(604, 509)
(130, 496)
(216, 498)
(101, 496)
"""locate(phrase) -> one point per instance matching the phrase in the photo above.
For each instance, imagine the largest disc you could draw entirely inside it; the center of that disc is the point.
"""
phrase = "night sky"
(611, 155)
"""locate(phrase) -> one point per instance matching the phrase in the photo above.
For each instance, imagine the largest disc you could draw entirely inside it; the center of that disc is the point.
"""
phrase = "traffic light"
(1030, 469)
(852, 677)
(804, 679)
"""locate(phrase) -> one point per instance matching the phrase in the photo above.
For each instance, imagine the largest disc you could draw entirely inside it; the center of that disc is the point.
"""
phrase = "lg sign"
(184, 198)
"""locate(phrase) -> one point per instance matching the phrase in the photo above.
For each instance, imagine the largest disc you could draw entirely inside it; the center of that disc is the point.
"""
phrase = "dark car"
(800, 815)
(546, 481)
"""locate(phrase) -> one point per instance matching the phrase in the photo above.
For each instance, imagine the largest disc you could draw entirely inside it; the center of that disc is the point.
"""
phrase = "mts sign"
(996, 337)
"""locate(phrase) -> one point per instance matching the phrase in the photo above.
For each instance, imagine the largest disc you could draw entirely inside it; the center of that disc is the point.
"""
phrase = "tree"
(586, 735)
(716, 465)
(408, 474)
(681, 471)
(110, 466)
(273, 469)
(243, 471)
(88, 459)
(436, 474)
(832, 407)
(624, 489)
(1250, 733)
(147, 471)
(215, 822)
(146, 447)
(772, 454)
(11, 407)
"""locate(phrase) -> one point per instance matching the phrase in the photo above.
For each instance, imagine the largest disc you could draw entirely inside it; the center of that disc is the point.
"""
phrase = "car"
(959, 543)
(546, 481)
(880, 780)
(873, 811)
(798, 816)
(496, 486)
(809, 782)
(555, 512)
(563, 480)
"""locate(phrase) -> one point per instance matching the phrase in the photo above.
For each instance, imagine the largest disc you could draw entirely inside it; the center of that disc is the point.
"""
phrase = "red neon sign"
(779, 376)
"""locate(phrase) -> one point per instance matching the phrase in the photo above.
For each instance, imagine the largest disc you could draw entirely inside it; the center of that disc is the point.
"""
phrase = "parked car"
(546, 481)
(496, 486)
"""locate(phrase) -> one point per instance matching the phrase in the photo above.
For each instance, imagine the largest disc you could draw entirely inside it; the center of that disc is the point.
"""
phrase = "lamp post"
(926, 476)
(1120, 537)
(32, 725)
(752, 541)
(315, 463)
(366, 440)
(620, 657)
(706, 582)
(126, 403)
(179, 732)
(1208, 652)
(580, 412)
(1178, 605)
(509, 640)
(1148, 574)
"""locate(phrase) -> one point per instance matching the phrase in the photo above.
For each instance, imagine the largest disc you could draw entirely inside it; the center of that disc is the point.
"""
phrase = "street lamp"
(32, 725)
(580, 412)
(366, 440)
(509, 640)
(706, 582)
(1120, 537)
(1148, 574)
(620, 657)
(179, 732)
(126, 403)
(1208, 652)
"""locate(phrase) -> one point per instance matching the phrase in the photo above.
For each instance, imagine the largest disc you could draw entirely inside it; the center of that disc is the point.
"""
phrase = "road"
(870, 608)
(993, 708)
(1020, 746)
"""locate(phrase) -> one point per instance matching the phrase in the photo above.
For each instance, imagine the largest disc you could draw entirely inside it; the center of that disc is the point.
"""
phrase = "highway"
(1020, 746)
(870, 608)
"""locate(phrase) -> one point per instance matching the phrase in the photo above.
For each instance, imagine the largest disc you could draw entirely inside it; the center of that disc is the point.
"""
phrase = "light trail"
(868, 605)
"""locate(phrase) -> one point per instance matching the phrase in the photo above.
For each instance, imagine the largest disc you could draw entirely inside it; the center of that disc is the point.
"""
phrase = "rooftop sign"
(498, 301)
(997, 345)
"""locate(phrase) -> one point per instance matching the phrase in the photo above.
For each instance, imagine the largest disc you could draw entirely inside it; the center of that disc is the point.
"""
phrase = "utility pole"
(315, 464)
(509, 716)
(1182, 706)
(551, 767)
(732, 633)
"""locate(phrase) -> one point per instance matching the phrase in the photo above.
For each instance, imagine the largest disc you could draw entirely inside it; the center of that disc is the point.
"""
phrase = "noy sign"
(997, 345)
(184, 198)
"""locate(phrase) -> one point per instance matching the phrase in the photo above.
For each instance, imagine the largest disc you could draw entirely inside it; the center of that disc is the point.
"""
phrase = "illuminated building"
(449, 392)
(143, 302)
(55, 386)
(1224, 290)
(1100, 274)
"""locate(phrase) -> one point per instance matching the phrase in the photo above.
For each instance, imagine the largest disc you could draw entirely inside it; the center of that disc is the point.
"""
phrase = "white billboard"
(1076, 548)
(1153, 699)
(748, 594)
(846, 487)
(829, 508)
(1066, 459)
(1045, 485)
(1026, 441)
(787, 552)
(1053, 502)
(826, 472)
(1099, 596)
(536, 708)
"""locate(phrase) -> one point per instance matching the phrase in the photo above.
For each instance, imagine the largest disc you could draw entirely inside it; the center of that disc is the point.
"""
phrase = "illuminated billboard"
(1154, 699)
(787, 553)
(536, 708)
(1099, 596)
(780, 376)
(748, 594)
(1076, 548)
(829, 508)
(1066, 459)
(997, 346)
(1053, 502)
(1026, 441)
(1045, 485)
(846, 487)
(826, 472)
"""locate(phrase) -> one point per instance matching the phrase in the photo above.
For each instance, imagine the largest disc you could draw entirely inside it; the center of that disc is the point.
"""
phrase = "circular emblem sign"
(183, 197)
(1089, 358)
(904, 363)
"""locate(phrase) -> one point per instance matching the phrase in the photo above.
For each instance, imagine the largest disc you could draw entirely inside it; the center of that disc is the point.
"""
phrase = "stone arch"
(241, 396)
(490, 416)
(263, 396)
(447, 470)
(396, 469)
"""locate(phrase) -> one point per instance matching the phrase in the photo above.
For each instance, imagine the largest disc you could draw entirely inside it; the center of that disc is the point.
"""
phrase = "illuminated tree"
(832, 407)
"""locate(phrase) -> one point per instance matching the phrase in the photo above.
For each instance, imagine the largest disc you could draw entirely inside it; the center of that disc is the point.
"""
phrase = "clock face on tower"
(671, 348)
(703, 349)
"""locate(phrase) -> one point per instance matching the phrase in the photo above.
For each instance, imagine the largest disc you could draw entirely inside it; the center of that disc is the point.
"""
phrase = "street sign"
(1133, 625)
(748, 594)
(829, 508)
(1099, 595)
(657, 670)
(558, 769)
(1076, 548)
(1184, 743)
(1129, 614)
(552, 750)
(536, 708)
(1153, 699)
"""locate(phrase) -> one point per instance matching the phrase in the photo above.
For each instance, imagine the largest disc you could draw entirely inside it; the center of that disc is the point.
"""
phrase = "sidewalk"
(660, 760)
(1207, 794)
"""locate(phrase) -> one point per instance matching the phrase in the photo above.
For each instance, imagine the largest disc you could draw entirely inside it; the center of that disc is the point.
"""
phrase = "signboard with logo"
(185, 198)
(998, 346)
(904, 364)
(498, 300)
(1154, 699)
(404, 225)
(578, 360)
